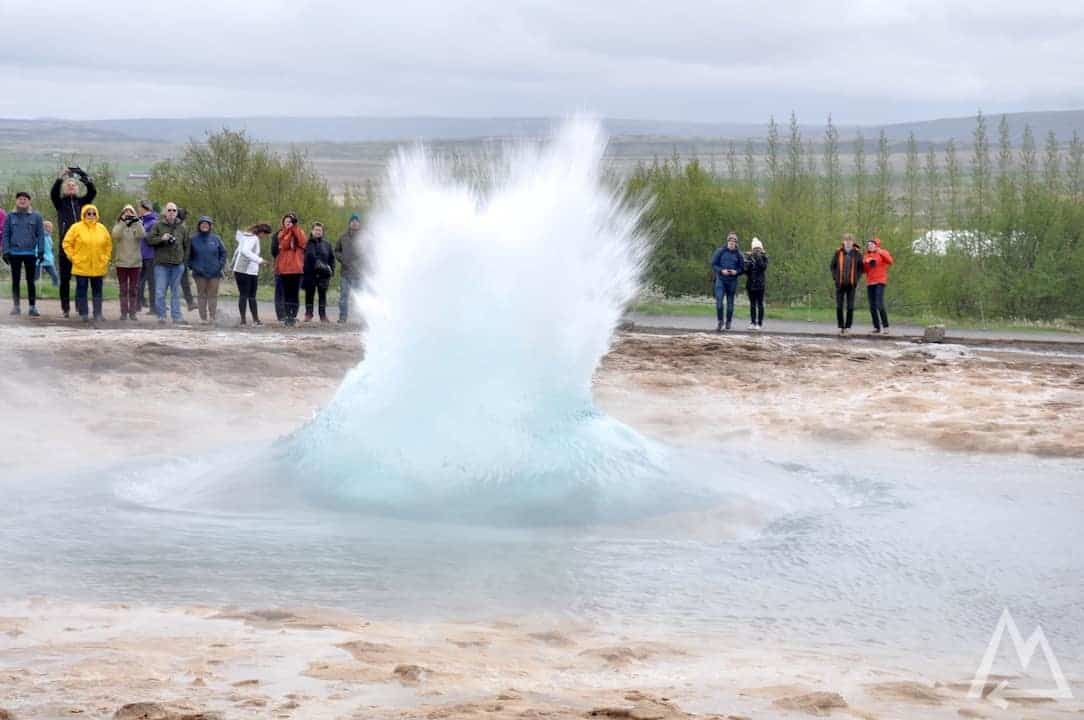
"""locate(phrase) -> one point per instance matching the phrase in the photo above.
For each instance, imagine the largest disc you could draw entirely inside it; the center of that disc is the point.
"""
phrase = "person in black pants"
(246, 269)
(876, 262)
(847, 268)
(69, 210)
(23, 243)
(319, 267)
(756, 270)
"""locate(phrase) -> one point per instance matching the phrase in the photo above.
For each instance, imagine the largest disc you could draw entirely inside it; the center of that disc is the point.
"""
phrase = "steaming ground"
(100, 399)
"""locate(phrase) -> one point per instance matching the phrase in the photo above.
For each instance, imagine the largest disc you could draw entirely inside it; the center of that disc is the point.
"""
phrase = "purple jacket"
(148, 224)
(3, 218)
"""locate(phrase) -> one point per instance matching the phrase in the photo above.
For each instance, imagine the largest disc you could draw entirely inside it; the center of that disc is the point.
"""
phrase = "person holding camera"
(876, 262)
(289, 251)
(756, 271)
(206, 261)
(23, 243)
(726, 265)
(69, 206)
(319, 267)
(128, 235)
(90, 246)
(170, 241)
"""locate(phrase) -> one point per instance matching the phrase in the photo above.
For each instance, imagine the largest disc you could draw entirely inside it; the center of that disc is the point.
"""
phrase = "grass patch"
(827, 315)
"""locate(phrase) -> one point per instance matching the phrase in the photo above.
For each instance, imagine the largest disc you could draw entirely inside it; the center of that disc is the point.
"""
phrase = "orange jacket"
(290, 258)
(876, 264)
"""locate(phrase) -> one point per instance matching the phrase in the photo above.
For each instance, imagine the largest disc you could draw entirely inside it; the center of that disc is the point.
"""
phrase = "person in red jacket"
(876, 262)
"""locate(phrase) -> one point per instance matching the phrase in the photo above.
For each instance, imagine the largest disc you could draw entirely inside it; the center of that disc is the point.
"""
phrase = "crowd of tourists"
(156, 255)
(848, 265)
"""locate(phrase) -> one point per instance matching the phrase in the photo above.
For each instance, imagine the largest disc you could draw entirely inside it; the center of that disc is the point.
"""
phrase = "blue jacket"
(24, 233)
(727, 259)
(207, 258)
(47, 258)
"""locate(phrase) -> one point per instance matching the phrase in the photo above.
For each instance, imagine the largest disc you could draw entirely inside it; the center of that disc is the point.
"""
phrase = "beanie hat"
(146, 205)
(354, 217)
(757, 244)
(22, 193)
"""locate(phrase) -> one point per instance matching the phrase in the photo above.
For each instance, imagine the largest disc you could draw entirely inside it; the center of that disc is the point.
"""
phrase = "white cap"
(757, 244)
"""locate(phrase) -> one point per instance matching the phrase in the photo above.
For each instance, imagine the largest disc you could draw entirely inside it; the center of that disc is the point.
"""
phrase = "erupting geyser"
(489, 304)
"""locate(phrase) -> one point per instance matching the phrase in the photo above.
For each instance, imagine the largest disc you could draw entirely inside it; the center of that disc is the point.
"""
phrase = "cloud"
(863, 60)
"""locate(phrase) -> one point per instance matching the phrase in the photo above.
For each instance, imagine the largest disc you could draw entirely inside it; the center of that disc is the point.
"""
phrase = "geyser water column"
(489, 303)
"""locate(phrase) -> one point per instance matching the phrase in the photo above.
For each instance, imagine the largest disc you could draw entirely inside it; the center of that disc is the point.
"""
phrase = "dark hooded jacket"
(69, 208)
(317, 251)
(207, 253)
(756, 270)
(846, 267)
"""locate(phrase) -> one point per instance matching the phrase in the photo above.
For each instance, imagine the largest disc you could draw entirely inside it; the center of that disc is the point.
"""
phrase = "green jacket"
(165, 252)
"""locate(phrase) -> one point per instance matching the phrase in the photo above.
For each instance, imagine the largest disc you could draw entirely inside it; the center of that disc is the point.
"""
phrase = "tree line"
(998, 225)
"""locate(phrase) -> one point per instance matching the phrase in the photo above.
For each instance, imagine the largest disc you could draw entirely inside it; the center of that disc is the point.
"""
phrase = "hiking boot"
(885, 331)
(308, 317)
(132, 317)
(342, 321)
(718, 327)
(66, 315)
(876, 331)
(34, 312)
(727, 326)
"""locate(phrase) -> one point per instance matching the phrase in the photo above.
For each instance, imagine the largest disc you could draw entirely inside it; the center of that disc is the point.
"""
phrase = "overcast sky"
(705, 60)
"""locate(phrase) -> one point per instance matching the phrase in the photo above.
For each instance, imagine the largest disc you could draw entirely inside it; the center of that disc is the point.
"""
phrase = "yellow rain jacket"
(89, 245)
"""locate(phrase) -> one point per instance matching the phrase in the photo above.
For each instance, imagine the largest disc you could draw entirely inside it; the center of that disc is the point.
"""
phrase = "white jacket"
(247, 258)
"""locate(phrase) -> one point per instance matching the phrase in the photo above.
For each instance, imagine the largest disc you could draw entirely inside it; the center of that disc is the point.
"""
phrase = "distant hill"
(391, 129)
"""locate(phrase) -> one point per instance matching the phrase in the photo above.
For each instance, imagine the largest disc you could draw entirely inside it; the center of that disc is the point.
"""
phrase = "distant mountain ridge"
(397, 129)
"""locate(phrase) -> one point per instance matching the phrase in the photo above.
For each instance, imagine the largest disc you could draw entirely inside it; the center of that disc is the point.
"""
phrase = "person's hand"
(41, 258)
(7, 258)
(872, 262)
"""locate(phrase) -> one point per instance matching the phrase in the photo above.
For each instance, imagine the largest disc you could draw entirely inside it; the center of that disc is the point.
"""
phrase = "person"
(3, 218)
(280, 298)
(290, 245)
(170, 241)
(246, 268)
(128, 236)
(89, 245)
(726, 264)
(348, 253)
(876, 262)
(23, 243)
(186, 279)
(69, 210)
(48, 261)
(148, 217)
(756, 268)
(206, 260)
(319, 267)
(847, 268)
